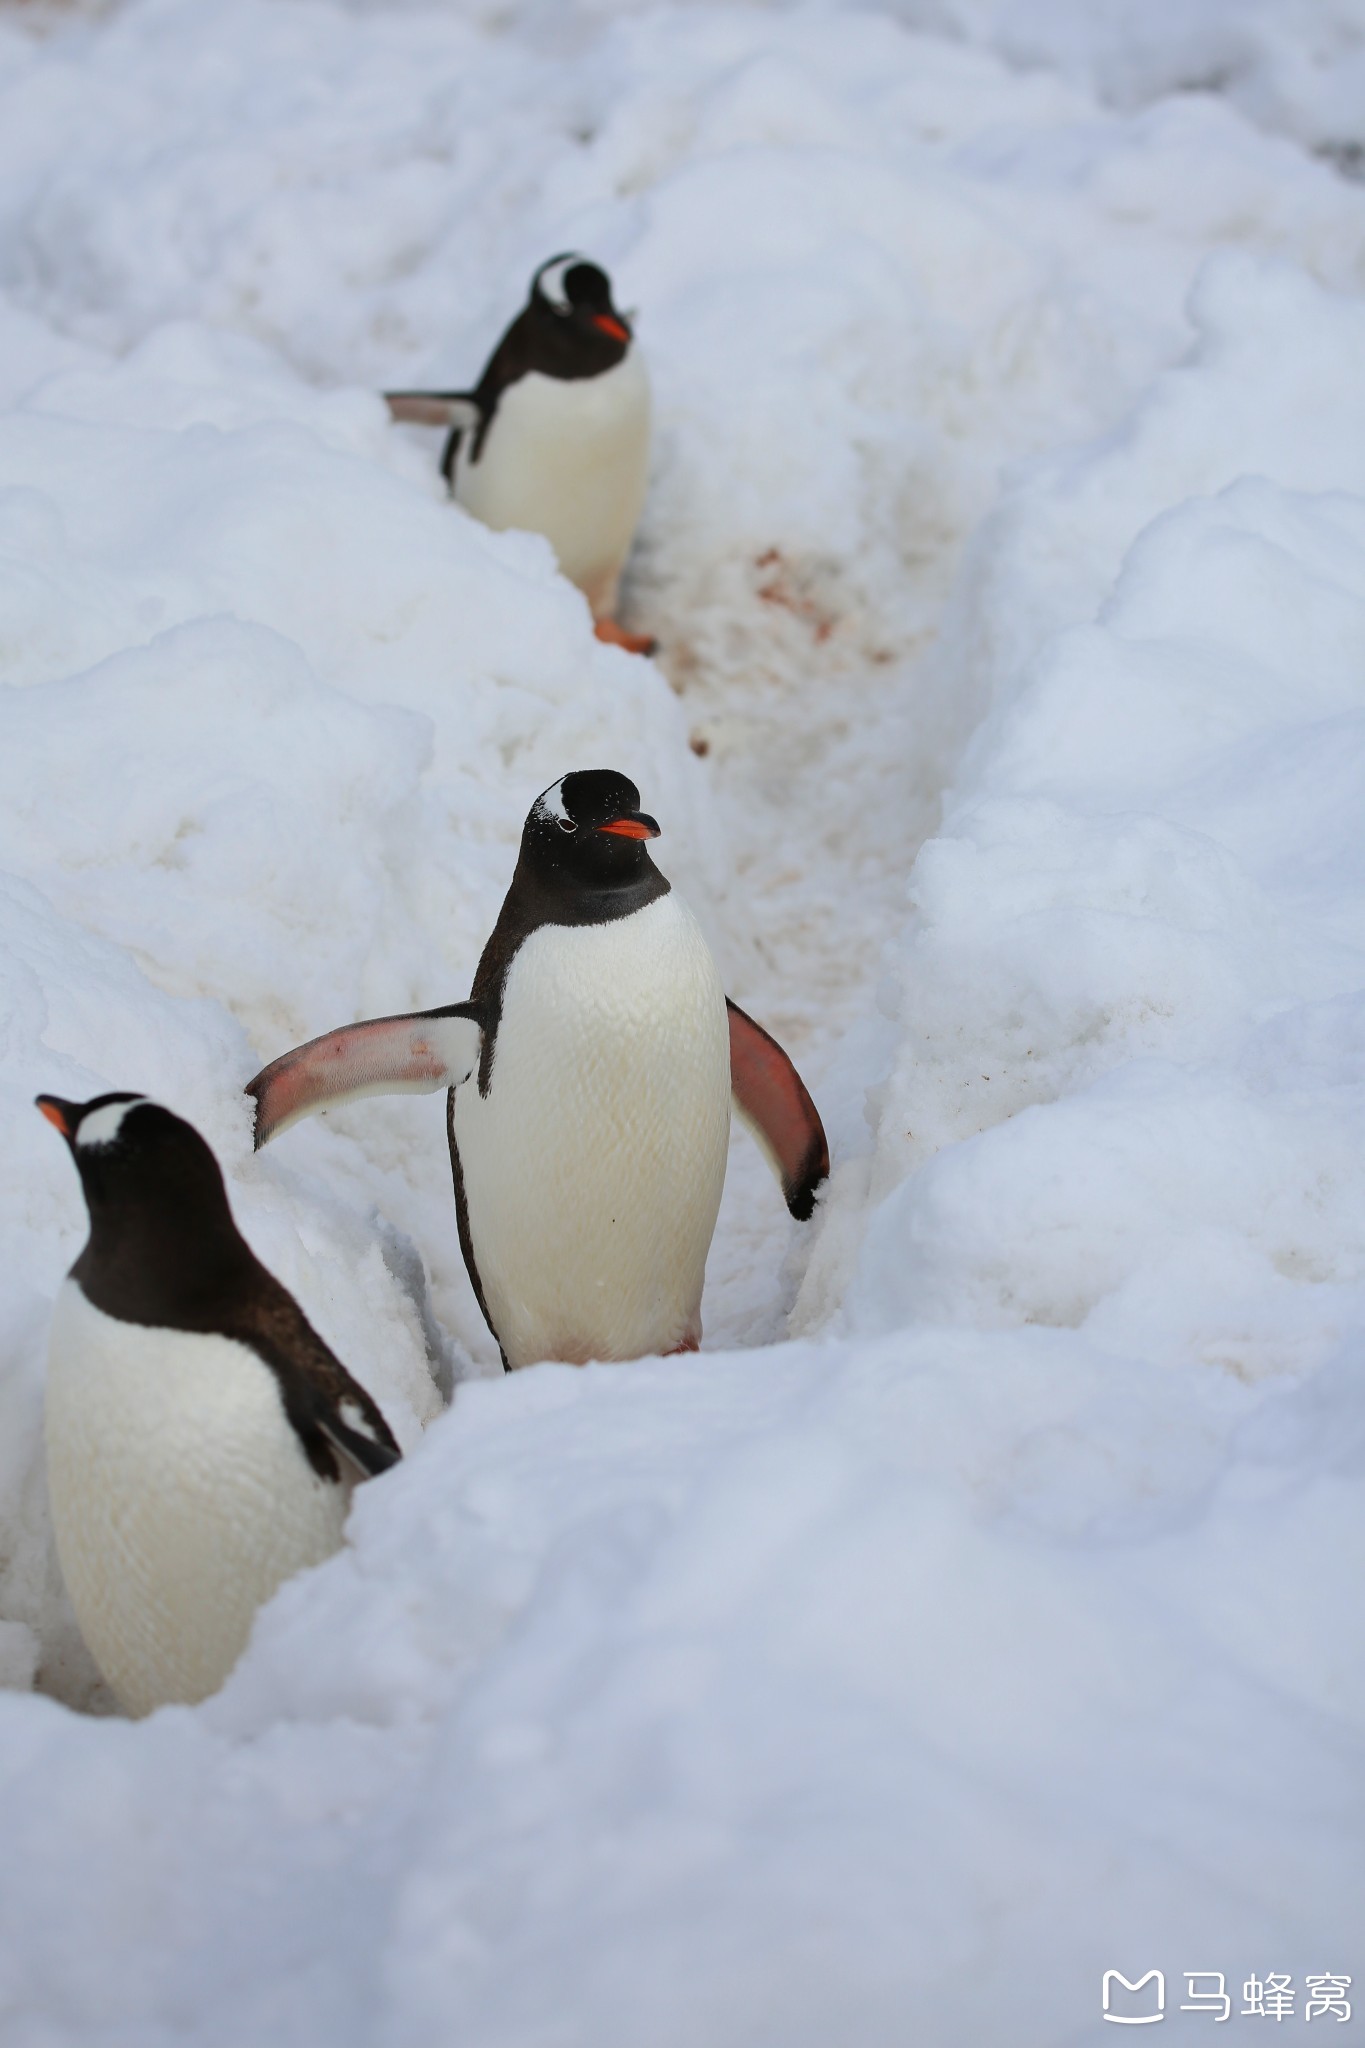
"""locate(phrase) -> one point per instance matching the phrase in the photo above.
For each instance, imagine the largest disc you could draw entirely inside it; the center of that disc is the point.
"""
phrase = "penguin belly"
(181, 1498)
(592, 1170)
(569, 458)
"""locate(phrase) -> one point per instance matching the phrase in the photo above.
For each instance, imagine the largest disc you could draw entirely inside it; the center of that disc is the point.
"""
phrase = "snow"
(978, 1611)
(1297, 66)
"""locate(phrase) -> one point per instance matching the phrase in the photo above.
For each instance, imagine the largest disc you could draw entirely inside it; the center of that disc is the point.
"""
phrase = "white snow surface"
(981, 1609)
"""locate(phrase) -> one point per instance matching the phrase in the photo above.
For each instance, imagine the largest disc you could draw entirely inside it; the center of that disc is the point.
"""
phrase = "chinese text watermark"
(1141, 2001)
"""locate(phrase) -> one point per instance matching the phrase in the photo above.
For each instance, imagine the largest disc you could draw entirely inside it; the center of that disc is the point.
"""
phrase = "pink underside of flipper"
(431, 409)
(388, 1055)
(774, 1098)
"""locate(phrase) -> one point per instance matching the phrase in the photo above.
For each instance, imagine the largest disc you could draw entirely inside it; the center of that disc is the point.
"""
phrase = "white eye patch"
(551, 804)
(552, 280)
(102, 1126)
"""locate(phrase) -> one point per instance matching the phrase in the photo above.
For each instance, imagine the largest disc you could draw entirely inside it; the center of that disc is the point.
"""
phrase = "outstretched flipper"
(773, 1101)
(434, 409)
(412, 1055)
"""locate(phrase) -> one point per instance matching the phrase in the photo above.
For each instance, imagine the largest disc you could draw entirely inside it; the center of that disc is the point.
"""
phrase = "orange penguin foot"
(617, 636)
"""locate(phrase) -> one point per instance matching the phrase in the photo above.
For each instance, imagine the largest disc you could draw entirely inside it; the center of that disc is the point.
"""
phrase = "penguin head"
(572, 308)
(587, 830)
(143, 1169)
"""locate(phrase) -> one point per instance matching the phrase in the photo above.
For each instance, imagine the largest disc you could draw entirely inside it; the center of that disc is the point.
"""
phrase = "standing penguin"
(202, 1441)
(554, 438)
(590, 1075)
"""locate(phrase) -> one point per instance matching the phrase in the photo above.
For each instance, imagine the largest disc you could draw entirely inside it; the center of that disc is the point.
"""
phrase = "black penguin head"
(587, 831)
(153, 1188)
(571, 307)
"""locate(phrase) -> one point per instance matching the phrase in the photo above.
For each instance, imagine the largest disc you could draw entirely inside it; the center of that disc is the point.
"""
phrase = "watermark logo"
(1114, 1982)
(1141, 2001)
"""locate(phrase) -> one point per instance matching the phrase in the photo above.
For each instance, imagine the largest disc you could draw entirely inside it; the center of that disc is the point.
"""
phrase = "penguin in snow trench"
(554, 437)
(202, 1441)
(590, 1077)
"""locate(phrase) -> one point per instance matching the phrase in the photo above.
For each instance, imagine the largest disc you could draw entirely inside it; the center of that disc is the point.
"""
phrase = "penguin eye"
(566, 825)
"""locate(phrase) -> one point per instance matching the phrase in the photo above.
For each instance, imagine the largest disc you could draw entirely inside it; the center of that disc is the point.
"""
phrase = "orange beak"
(54, 1114)
(609, 324)
(639, 827)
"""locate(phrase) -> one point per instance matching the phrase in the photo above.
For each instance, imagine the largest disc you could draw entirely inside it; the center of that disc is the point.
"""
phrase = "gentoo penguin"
(554, 438)
(590, 1076)
(202, 1441)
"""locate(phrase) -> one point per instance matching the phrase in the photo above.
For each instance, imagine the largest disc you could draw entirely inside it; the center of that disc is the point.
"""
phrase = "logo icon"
(1155, 2000)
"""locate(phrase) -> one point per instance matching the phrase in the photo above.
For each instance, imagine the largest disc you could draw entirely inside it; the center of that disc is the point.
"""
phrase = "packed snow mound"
(1247, 400)
(1293, 65)
(1150, 865)
(796, 1693)
(969, 1619)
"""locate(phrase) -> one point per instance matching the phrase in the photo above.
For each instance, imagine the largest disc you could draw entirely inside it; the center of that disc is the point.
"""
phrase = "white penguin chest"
(568, 458)
(181, 1497)
(593, 1168)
